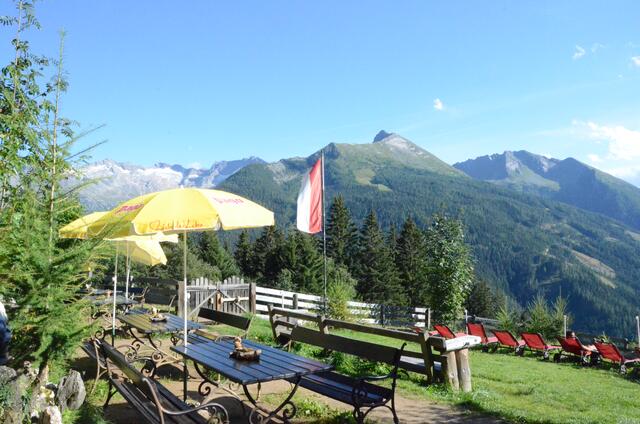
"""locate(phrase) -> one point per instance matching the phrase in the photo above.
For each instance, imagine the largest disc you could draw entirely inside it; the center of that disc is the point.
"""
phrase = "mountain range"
(114, 182)
(531, 221)
(569, 181)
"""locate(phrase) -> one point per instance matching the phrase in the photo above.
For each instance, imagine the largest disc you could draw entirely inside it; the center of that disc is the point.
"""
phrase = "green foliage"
(340, 290)
(244, 254)
(378, 280)
(482, 302)
(449, 268)
(544, 319)
(508, 318)
(342, 235)
(211, 252)
(411, 263)
(41, 272)
(174, 268)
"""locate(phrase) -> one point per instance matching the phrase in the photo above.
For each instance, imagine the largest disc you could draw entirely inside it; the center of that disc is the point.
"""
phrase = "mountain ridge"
(567, 180)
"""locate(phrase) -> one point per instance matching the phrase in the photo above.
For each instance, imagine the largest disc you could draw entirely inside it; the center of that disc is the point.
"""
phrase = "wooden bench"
(284, 320)
(154, 403)
(219, 317)
(360, 392)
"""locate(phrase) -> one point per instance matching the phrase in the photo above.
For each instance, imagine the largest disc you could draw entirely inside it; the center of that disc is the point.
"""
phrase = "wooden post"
(450, 371)
(273, 327)
(464, 370)
(295, 301)
(252, 297)
(382, 315)
(428, 319)
(426, 355)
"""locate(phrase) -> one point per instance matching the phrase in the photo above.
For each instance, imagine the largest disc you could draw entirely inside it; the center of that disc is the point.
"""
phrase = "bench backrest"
(572, 345)
(140, 381)
(232, 320)
(505, 338)
(370, 351)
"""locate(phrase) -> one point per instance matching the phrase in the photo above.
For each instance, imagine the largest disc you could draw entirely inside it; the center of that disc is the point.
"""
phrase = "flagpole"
(324, 236)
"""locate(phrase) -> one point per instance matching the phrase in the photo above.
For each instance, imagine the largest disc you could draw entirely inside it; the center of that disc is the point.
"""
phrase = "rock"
(50, 415)
(6, 375)
(71, 391)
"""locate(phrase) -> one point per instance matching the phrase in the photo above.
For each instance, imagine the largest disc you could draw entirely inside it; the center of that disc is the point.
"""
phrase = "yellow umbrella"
(180, 211)
(78, 228)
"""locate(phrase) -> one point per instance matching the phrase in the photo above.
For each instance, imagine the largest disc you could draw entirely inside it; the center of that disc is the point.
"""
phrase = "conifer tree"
(244, 255)
(267, 255)
(482, 301)
(213, 253)
(377, 276)
(42, 273)
(342, 235)
(304, 260)
(411, 263)
(449, 267)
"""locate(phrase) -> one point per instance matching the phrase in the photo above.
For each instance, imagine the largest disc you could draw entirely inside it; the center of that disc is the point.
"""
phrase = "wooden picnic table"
(273, 364)
(146, 344)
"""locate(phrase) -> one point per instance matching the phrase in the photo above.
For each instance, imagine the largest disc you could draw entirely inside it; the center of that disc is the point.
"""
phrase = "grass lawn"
(521, 390)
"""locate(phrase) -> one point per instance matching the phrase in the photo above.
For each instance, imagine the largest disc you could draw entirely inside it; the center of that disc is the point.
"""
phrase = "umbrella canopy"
(181, 210)
(146, 252)
(78, 229)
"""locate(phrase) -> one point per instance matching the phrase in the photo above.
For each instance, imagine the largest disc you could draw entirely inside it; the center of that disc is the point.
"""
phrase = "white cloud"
(593, 158)
(579, 53)
(438, 105)
(596, 46)
(623, 143)
(636, 60)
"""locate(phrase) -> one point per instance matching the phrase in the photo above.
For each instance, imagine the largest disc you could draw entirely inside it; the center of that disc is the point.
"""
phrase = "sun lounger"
(610, 352)
(478, 330)
(446, 332)
(573, 347)
(507, 340)
(535, 343)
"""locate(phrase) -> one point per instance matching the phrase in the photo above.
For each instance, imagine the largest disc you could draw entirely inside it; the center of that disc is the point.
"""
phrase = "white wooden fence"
(370, 313)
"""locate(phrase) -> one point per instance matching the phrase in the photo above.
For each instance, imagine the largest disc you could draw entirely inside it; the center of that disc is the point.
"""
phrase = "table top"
(143, 323)
(120, 301)
(274, 364)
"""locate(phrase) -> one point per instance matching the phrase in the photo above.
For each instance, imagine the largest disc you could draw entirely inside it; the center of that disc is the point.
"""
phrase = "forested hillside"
(522, 244)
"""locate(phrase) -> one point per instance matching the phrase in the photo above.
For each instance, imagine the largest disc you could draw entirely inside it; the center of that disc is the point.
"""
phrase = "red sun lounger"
(610, 352)
(446, 332)
(478, 330)
(536, 343)
(572, 346)
(506, 340)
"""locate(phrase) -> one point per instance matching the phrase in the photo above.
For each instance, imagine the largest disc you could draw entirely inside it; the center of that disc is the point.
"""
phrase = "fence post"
(466, 320)
(382, 315)
(428, 318)
(295, 301)
(252, 297)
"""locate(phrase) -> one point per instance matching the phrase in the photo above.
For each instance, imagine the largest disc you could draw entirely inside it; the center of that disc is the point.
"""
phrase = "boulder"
(50, 415)
(71, 391)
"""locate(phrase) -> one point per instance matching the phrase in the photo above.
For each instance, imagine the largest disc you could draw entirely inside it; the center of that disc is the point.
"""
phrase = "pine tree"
(342, 235)
(244, 255)
(377, 276)
(449, 268)
(411, 263)
(267, 256)
(303, 258)
(481, 300)
(37, 269)
(211, 252)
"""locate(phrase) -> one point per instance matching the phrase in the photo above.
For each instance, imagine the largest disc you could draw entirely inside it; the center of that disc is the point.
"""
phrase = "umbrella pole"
(126, 284)
(113, 312)
(184, 311)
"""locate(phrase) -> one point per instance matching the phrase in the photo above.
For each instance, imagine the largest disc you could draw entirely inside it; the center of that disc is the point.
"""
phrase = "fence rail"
(370, 313)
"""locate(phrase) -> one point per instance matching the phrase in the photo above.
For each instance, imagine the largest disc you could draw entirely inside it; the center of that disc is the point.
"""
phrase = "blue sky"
(200, 81)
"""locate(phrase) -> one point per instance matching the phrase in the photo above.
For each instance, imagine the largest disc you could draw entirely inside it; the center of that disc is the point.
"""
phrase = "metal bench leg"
(112, 391)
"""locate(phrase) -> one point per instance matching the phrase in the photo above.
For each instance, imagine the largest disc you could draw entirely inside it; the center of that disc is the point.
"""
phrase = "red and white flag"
(310, 201)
